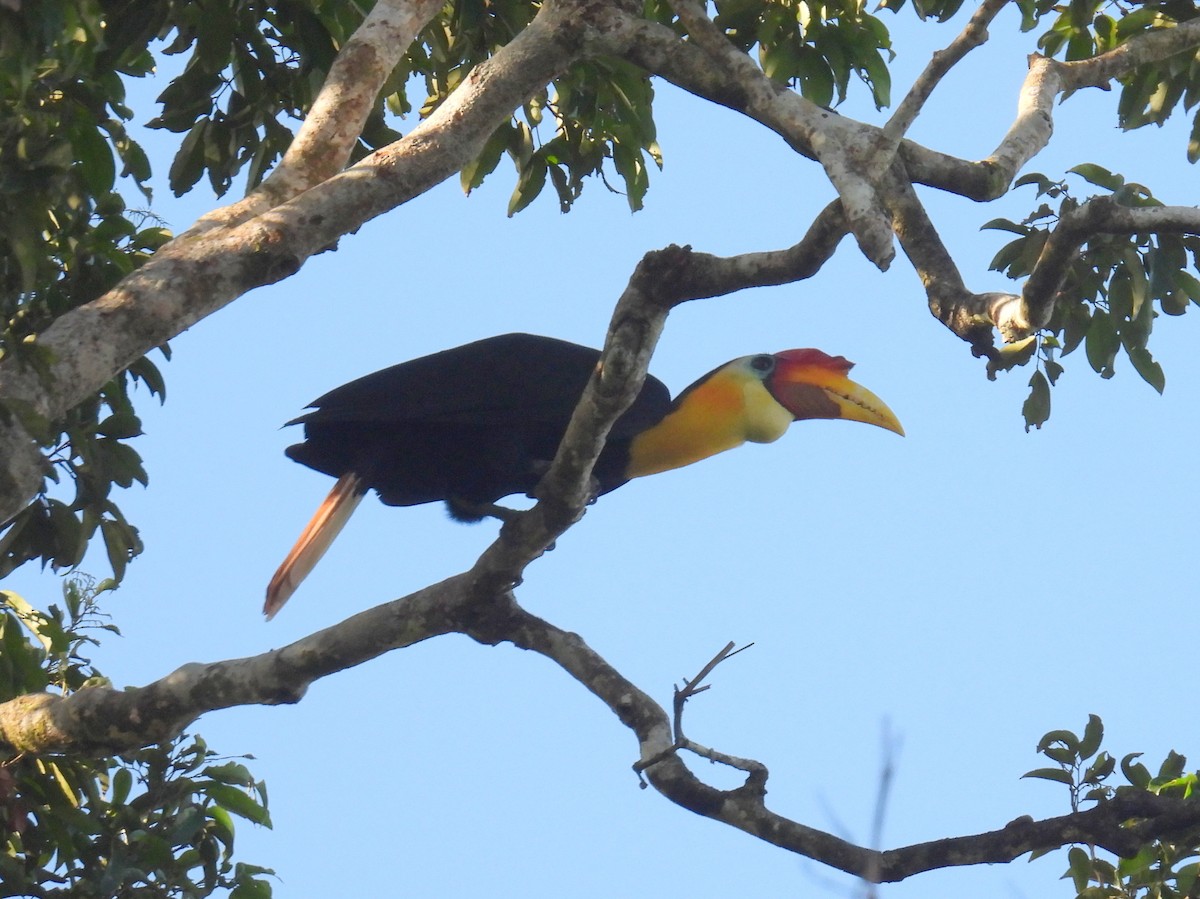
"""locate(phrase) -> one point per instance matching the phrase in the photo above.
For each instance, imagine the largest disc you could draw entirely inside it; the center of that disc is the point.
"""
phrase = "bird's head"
(811, 384)
(754, 398)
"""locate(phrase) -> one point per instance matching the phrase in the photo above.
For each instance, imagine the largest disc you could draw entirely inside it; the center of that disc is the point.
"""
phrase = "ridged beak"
(811, 384)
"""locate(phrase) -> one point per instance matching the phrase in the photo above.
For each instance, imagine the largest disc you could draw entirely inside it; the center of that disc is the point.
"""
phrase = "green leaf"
(1005, 225)
(817, 82)
(230, 773)
(1064, 755)
(1135, 772)
(632, 168)
(234, 800)
(1144, 365)
(1036, 408)
(485, 163)
(1093, 734)
(1053, 371)
(1120, 296)
(95, 158)
(189, 822)
(1138, 282)
(122, 783)
(1058, 775)
(120, 425)
(188, 165)
(1065, 737)
(1079, 868)
(1101, 344)
(1099, 770)
(147, 372)
(1098, 175)
(879, 78)
(1042, 182)
(119, 544)
(1172, 766)
(252, 889)
(1078, 321)
(1008, 255)
(1189, 284)
(780, 60)
(529, 185)
(1011, 355)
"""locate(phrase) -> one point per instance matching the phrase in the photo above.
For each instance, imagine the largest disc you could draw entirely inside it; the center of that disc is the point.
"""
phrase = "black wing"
(474, 422)
(490, 381)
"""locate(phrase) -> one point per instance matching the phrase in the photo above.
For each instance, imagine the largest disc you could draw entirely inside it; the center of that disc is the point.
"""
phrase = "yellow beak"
(810, 384)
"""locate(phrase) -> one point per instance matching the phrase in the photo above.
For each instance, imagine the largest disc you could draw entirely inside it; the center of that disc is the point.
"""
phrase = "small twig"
(756, 770)
(682, 694)
(691, 687)
(887, 775)
(973, 35)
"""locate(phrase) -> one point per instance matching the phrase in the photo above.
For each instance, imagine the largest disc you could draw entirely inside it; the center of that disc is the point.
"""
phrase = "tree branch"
(329, 133)
(1046, 79)
(106, 721)
(1030, 132)
(840, 145)
(969, 315)
(1143, 49)
(1106, 825)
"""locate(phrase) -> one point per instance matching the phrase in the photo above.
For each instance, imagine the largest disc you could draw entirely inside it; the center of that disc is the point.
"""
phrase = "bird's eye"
(762, 363)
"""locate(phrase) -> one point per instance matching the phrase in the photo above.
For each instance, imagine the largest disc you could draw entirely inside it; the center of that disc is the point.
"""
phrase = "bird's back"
(477, 422)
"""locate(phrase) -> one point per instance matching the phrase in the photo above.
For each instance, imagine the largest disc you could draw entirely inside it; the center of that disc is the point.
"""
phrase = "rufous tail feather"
(317, 536)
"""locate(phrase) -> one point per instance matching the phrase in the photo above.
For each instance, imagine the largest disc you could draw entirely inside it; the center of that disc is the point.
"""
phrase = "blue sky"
(964, 589)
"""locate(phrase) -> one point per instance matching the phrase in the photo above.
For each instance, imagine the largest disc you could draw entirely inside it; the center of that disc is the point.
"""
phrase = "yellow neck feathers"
(720, 412)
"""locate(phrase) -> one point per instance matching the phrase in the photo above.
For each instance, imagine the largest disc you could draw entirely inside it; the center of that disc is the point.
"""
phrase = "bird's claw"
(470, 512)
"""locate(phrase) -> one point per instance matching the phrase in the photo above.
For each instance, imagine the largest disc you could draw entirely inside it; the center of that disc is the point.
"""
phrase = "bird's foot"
(470, 512)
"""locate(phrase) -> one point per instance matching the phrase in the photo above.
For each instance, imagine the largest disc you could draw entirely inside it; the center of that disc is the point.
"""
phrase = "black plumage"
(474, 423)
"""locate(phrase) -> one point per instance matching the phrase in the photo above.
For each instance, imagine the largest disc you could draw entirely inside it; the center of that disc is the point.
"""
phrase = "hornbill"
(479, 422)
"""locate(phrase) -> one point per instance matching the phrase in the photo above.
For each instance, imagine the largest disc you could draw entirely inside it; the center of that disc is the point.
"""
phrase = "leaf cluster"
(599, 112)
(1160, 869)
(158, 822)
(601, 115)
(1152, 92)
(814, 46)
(251, 66)
(68, 238)
(1113, 289)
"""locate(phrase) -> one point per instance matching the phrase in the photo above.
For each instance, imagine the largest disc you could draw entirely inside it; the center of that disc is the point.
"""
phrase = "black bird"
(473, 424)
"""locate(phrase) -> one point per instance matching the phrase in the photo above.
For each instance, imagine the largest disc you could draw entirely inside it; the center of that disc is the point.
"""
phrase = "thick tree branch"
(841, 146)
(1108, 825)
(102, 720)
(1146, 48)
(106, 721)
(657, 49)
(969, 315)
(324, 142)
(1031, 131)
